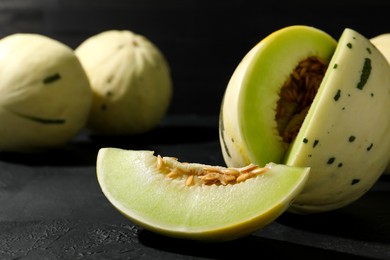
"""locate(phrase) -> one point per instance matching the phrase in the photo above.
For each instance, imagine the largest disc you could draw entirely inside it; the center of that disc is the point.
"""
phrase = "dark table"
(52, 208)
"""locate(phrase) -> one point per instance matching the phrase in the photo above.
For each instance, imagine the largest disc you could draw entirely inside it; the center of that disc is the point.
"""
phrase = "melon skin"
(45, 93)
(130, 80)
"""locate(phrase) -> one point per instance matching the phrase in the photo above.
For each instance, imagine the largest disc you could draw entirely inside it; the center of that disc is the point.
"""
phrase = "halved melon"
(137, 184)
(341, 131)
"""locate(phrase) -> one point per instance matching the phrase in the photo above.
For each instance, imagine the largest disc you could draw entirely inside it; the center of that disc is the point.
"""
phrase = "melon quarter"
(301, 98)
(196, 201)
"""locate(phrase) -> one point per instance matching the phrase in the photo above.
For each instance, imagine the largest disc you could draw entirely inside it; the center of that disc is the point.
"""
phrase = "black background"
(51, 206)
(202, 40)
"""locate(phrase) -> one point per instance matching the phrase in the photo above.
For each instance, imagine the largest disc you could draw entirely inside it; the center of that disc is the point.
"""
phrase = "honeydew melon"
(130, 80)
(139, 188)
(344, 135)
(382, 42)
(45, 96)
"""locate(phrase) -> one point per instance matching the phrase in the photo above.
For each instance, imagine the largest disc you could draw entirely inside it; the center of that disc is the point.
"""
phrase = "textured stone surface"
(52, 208)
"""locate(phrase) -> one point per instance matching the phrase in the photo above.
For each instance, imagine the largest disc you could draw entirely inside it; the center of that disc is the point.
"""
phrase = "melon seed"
(296, 96)
(208, 175)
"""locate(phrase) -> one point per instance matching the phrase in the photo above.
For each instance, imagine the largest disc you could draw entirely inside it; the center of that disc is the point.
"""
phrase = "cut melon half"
(342, 134)
(138, 186)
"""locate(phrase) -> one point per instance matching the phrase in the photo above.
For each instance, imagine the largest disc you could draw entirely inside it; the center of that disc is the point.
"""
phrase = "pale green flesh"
(345, 135)
(278, 55)
(131, 182)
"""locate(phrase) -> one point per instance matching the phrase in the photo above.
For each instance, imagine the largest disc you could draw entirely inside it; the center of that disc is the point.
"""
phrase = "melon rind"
(131, 182)
(45, 93)
(382, 43)
(130, 80)
(345, 136)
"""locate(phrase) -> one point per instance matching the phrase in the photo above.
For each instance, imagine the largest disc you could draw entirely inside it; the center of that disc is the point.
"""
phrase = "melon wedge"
(136, 187)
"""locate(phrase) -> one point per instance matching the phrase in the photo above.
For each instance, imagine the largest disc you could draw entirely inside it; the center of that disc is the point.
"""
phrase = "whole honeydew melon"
(342, 134)
(130, 80)
(45, 94)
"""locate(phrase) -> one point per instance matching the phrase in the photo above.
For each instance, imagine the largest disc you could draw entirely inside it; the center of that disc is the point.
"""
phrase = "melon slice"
(144, 191)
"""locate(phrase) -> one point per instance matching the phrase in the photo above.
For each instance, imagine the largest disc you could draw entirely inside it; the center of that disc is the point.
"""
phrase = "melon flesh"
(132, 183)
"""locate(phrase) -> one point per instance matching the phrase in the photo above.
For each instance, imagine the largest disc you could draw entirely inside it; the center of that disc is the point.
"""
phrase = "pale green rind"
(45, 93)
(130, 79)
(132, 183)
(345, 137)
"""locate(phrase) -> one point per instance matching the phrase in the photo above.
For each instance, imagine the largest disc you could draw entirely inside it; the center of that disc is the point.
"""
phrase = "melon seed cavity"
(296, 96)
(207, 175)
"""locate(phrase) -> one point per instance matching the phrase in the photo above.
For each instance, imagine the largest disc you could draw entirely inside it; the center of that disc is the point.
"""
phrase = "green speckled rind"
(345, 137)
(248, 130)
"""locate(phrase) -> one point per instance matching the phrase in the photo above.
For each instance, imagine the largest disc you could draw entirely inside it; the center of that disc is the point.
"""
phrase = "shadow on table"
(249, 247)
(367, 219)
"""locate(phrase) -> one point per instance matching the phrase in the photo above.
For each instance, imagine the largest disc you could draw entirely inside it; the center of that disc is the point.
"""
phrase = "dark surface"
(52, 208)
